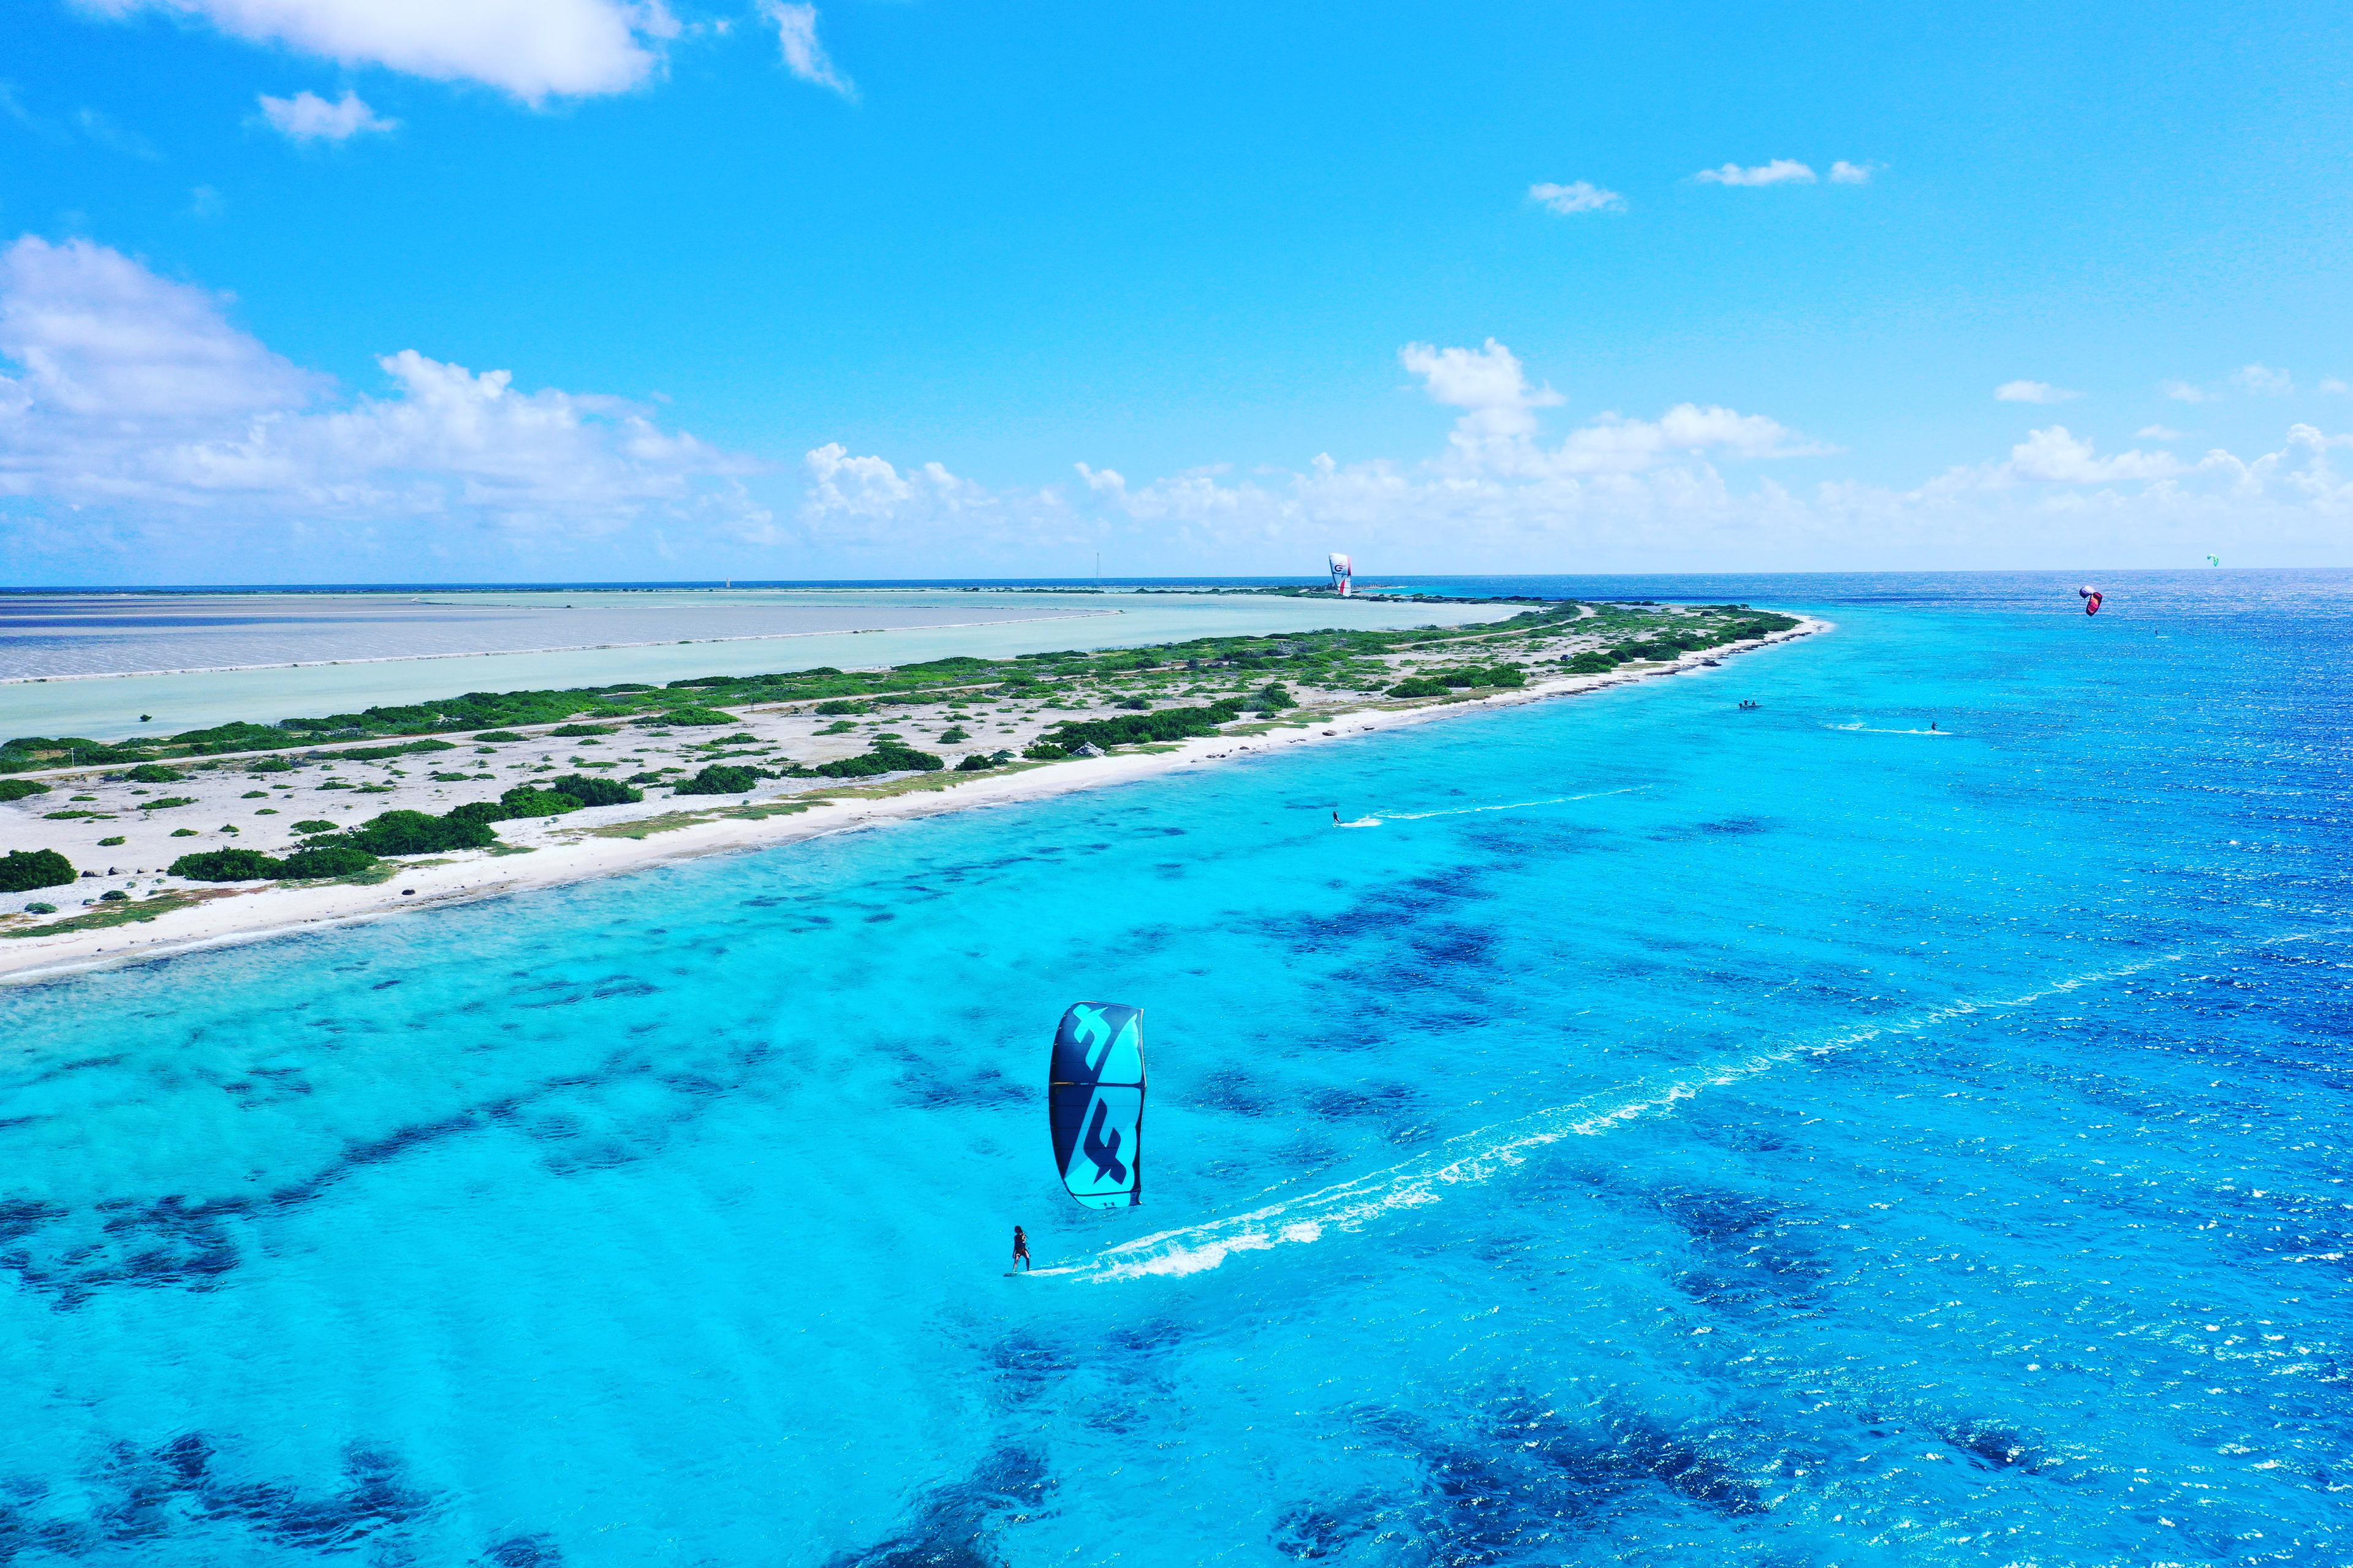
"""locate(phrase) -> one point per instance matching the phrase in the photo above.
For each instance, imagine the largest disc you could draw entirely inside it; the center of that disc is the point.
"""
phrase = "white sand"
(572, 848)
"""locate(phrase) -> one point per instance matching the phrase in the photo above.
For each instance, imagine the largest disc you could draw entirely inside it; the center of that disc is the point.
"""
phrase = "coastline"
(597, 848)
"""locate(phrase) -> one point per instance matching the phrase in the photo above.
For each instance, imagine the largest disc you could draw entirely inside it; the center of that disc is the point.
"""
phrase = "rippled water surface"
(1666, 1134)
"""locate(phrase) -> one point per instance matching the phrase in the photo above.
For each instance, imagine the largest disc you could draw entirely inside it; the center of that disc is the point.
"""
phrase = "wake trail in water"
(1472, 1158)
(1374, 821)
(1860, 727)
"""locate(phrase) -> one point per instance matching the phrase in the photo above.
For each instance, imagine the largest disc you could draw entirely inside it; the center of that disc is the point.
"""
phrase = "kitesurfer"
(1021, 1247)
(1335, 816)
(1932, 723)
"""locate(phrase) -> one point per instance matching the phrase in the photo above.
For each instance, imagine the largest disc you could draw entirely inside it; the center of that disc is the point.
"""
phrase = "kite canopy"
(1094, 1098)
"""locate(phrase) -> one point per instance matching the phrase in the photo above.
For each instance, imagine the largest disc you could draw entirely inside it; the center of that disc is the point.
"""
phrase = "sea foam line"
(1472, 1158)
(1380, 817)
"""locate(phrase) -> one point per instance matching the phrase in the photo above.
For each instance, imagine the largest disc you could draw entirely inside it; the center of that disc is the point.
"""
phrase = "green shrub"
(528, 800)
(114, 896)
(954, 733)
(839, 706)
(40, 909)
(883, 759)
(184, 832)
(980, 763)
(420, 833)
(1419, 686)
(270, 766)
(718, 778)
(22, 870)
(1044, 752)
(111, 843)
(226, 866)
(523, 800)
(1137, 704)
(1138, 729)
(1589, 663)
(1505, 677)
(597, 792)
(165, 803)
(569, 730)
(317, 860)
(498, 735)
(156, 773)
(18, 789)
(691, 717)
(314, 825)
(1271, 697)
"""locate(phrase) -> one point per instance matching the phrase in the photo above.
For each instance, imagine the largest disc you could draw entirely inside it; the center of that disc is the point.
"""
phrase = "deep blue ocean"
(1672, 1134)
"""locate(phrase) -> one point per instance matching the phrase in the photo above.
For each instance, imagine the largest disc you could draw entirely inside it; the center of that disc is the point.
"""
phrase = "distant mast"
(1343, 575)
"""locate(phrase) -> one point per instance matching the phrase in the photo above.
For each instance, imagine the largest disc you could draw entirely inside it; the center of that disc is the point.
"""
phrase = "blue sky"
(402, 290)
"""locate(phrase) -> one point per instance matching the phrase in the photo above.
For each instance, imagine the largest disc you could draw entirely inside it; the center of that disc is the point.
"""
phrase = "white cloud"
(1780, 172)
(102, 130)
(2032, 392)
(205, 202)
(2156, 432)
(1613, 494)
(2263, 380)
(2182, 391)
(2056, 457)
(531, 49)
(129, 393)
(1845, 173)
(804, 56)
(307, 117)
(2334, 384)
(1582, 196)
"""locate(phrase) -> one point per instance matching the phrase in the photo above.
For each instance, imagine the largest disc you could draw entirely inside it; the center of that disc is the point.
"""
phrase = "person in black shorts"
(1021, 1247)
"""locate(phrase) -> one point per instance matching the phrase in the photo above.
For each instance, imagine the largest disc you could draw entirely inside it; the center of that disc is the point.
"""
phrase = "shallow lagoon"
(234, 655)
(1674, 1135)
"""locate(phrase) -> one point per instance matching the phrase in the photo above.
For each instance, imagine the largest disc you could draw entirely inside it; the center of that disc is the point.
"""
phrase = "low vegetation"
(24, 871)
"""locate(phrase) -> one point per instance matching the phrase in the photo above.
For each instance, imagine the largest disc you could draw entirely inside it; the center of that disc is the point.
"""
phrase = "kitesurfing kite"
(2213, 561)
(1094, 1100)
(2091, 597)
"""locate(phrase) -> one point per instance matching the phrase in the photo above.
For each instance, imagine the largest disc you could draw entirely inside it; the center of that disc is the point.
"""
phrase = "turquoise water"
(1672, 1134)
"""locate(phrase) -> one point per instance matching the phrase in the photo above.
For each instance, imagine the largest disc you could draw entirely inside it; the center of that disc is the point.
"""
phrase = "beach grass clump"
(113, 842)
(23, 870)
(156, 773)
(20, 789)
(421, 833)
(166, 802)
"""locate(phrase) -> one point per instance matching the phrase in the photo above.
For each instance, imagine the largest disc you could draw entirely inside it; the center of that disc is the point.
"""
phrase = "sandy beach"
(606, 841)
